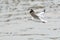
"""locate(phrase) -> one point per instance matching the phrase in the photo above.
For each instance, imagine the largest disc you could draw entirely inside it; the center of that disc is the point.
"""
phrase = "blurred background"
(24, 5)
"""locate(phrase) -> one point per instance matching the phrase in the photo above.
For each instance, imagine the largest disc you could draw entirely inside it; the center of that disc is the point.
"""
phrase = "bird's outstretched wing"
(40, 14)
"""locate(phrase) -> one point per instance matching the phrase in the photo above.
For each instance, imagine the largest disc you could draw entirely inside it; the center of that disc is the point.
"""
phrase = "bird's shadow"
(35, 20)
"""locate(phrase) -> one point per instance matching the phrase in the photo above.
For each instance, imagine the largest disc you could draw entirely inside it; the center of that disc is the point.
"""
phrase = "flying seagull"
(39, 16)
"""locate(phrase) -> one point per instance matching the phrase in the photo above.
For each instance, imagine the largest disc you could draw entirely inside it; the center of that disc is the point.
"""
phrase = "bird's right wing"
(40, 14)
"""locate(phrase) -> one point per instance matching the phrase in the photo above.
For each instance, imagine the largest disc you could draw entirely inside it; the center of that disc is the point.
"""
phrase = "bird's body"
(33, 14)
(39, 16)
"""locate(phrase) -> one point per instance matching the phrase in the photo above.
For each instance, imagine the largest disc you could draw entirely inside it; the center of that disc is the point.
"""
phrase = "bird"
(39, 16)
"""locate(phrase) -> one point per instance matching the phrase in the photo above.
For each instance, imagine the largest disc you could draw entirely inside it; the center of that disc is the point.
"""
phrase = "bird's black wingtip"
(44, 10)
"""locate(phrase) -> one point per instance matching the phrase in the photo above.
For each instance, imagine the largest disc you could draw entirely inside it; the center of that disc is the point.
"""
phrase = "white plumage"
(39, 16)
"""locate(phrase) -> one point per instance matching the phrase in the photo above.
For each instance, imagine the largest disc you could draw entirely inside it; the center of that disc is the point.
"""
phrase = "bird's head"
(31, 11)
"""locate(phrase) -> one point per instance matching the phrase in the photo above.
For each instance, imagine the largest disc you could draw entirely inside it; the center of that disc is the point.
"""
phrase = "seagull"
(39, 16)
